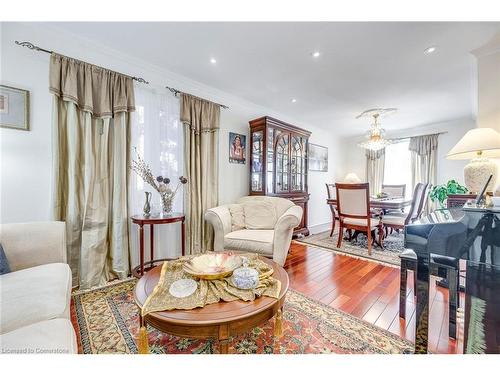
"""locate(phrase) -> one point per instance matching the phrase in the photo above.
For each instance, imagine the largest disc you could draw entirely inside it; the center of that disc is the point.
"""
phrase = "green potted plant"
(440, 192)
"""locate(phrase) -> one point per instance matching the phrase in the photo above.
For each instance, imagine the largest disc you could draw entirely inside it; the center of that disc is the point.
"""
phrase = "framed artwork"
(318, 158)
(14, 108)
(237, 148)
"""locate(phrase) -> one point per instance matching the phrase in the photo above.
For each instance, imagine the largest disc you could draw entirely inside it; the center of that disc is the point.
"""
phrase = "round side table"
(142, 220)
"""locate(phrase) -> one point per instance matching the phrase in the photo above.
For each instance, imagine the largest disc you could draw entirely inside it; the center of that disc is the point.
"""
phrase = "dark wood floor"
(369, 291)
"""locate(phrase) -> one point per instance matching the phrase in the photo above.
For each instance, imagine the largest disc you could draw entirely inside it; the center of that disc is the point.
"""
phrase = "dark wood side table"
(142, 220)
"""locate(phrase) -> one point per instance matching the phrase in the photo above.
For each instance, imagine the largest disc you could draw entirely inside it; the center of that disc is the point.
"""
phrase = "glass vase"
(166, 203)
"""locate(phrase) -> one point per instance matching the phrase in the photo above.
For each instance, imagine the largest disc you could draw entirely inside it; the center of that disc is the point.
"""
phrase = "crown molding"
(490, 48)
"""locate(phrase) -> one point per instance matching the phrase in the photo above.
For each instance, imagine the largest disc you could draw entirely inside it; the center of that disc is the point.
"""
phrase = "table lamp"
(478, 145)
(352, 178)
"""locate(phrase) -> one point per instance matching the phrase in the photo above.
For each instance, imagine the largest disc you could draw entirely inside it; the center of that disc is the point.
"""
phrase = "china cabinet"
(278, 163)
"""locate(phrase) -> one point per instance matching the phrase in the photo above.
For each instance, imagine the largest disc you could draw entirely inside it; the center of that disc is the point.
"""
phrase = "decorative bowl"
(213, 266)
(245, 278)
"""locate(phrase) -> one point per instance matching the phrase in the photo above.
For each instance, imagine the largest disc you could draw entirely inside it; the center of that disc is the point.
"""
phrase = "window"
(397, 169)
(157, 135)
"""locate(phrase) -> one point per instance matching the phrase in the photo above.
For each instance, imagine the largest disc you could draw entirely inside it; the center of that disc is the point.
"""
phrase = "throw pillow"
(237, 217)
(4, 264)
(259, 215)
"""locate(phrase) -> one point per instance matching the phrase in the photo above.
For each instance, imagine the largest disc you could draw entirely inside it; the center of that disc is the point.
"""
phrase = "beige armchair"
(257, 224)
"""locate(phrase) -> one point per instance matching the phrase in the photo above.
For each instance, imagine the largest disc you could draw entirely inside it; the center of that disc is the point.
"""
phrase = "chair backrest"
(353, 200)
(417, 203)
(330, 190)
(280, 204)
(394, 190)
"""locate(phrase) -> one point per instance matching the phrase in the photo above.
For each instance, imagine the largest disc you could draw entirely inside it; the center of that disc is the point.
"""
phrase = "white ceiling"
(362, 65)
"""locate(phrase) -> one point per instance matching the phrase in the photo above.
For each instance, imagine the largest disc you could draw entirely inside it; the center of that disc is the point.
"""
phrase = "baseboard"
(318, 228)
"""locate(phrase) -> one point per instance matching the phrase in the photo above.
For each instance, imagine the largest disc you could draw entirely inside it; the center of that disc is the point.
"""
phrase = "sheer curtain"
(157, 135)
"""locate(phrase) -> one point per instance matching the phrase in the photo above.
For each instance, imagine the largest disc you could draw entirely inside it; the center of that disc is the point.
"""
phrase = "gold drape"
(201, 124)
(91, 160)
(375, 162)
(424, 163)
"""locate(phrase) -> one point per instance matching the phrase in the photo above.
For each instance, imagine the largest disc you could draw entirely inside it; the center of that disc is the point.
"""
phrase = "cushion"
(34, 294)
(4, 263)
(55, 336)
(258, 241)
(362, 222)
(237, 217)
(259, 215)
(394, 219)
(281, 205)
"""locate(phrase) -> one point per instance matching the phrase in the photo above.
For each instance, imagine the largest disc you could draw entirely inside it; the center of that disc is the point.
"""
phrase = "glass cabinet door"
(282, 162)
(270, 160)
(257, 159)
(298, 163)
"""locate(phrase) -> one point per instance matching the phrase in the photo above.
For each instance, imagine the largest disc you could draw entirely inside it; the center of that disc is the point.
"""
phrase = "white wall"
(446, 169)
(26, 157)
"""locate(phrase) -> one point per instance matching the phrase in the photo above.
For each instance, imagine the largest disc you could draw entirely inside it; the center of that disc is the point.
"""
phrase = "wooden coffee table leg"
(278, 323)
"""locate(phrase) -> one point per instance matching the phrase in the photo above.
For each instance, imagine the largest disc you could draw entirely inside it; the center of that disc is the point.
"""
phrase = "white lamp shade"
(352, 178)
(484, 140)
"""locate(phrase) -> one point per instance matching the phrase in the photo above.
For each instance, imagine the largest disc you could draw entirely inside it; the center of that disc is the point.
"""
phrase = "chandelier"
(375, 136)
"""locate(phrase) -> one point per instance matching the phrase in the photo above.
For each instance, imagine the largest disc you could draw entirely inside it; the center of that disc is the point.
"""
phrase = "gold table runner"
(208, 291)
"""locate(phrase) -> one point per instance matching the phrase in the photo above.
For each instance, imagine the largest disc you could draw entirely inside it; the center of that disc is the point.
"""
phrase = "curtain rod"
(423, 135)
(177, 92)
(39, 49)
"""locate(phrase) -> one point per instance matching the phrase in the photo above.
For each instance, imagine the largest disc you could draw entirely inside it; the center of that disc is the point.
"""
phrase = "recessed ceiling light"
(294, 100)
(315, 54)
(430, 50)
(213, 61)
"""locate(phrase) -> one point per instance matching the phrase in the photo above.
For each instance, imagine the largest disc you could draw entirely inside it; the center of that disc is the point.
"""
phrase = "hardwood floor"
(369, 291)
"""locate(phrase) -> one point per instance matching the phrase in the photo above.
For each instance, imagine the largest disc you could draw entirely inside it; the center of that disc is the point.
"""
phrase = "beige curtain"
(424, 161)
(201, 125)
(375, 161)
(91, 122)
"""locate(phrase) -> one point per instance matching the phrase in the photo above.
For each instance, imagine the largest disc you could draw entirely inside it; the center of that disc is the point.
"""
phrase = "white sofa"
(36, 295)
(258, 224)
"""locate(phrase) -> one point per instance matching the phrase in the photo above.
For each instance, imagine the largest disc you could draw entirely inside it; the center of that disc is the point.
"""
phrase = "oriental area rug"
(389, 255)
(106, 321)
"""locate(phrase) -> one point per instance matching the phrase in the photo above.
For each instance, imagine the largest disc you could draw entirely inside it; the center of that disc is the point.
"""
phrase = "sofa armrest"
(220, 218)
(32, 244)
(283, 232)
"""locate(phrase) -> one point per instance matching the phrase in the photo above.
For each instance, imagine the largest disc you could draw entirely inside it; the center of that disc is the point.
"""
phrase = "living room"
(254, 187)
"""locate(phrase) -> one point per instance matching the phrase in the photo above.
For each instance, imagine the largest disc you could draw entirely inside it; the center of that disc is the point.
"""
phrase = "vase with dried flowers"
(160, 183)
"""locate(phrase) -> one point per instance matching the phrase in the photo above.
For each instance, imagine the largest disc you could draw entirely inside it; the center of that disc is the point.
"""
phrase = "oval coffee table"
(220, 321)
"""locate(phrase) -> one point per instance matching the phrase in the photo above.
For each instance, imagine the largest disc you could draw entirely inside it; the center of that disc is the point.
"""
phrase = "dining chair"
(330, 189)
(353, 208)
(395, 191)
(398, 220)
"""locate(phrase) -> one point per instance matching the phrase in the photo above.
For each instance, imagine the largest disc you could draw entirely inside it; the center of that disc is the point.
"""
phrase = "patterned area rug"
(393, 245)
(107, 321)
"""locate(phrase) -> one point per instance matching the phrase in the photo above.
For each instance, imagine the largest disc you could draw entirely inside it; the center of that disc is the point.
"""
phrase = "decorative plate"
(183, 288)
(213, 266)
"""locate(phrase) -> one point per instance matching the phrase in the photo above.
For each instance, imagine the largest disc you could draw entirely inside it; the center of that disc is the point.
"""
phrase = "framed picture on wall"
(318, 158)
(14, 108)
(237, 148)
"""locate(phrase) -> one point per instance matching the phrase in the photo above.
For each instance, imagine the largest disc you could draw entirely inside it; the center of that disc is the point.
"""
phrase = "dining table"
(385, 204)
